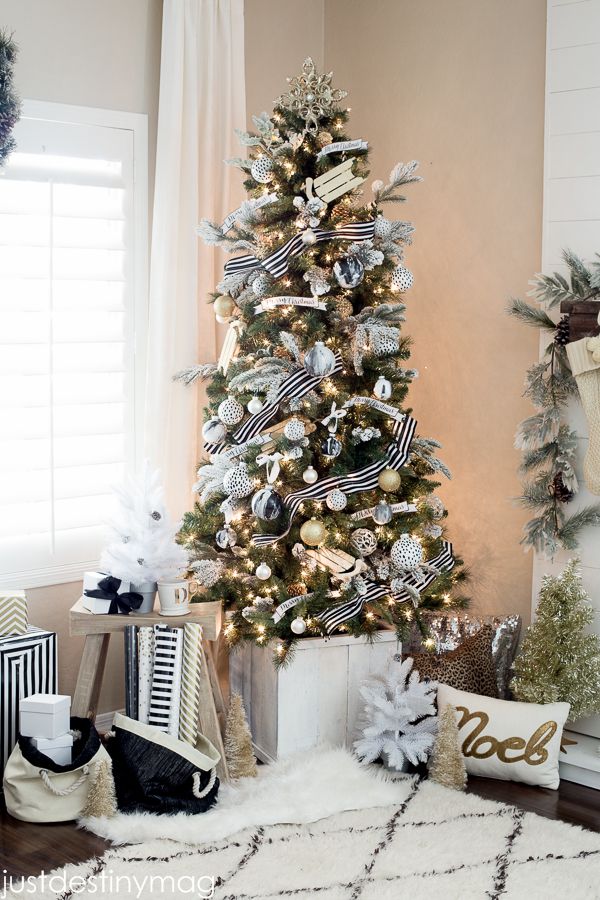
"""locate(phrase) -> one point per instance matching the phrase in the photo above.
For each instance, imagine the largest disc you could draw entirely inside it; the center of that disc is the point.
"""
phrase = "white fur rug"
(298, 789)
(434, 844)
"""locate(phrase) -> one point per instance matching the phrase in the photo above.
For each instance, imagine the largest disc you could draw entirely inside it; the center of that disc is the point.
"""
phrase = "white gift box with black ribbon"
(28, 665)
(99, 605)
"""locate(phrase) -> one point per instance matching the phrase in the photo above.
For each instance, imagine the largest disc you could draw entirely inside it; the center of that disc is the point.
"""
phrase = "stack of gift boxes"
(28, 666)
(45, 718)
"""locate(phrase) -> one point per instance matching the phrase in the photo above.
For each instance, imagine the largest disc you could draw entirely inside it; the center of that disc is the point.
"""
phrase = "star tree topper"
(311, 96)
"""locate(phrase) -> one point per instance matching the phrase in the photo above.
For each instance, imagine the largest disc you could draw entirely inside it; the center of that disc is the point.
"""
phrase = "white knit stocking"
(586, 370)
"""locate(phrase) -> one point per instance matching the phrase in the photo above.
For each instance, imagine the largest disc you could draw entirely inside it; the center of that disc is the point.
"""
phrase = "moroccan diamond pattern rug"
(435, 843)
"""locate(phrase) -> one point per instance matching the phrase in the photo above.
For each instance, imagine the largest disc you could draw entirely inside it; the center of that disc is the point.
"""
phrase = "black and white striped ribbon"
(335, 616)
(353, 483)
(296, 385)
(277, 262)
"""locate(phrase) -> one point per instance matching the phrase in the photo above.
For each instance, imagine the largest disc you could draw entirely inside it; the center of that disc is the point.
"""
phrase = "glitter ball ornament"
(262, 170)
(255, 405)
(383, 388)
(406, 553)
(310, 475)
(294, 430)
(230, 411)
(261, 285)
(309, 237)
(324, 138)
(349, 272)
(313, 532)
(298, 625)
(364, 541)
(402, 279)
(383, 227)
(389, 480)
(223, 307)
(263, 571)
(226, 537)
(156, 516)
(436, 506)
(267, 504)
(331, 447)
(214, 431)
(343, 307)
(319, 361)
(382, 514)
(237, 483)
(336, 500)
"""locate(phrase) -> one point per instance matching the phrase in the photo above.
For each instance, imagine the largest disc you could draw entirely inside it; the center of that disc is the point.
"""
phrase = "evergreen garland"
(548, 444)
(10, 106)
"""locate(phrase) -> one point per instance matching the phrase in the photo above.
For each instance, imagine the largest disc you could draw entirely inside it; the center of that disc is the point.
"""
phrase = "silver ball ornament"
(382, 514)
(298, 625)
(319, 361)
(263, 571)
(364, 541)
(331, 447)
(383, 388)
(310, 475)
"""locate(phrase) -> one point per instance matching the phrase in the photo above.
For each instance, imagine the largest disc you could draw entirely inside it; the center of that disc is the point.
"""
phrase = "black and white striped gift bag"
(28, 665)
(167, 643)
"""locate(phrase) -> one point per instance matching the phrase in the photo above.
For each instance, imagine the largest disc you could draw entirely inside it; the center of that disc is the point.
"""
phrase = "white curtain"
(202, 100)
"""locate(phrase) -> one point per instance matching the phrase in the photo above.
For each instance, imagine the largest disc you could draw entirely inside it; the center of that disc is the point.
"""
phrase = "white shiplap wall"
(572, 211)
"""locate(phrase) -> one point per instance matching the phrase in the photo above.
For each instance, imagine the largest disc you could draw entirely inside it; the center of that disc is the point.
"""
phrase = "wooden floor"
(27, 849)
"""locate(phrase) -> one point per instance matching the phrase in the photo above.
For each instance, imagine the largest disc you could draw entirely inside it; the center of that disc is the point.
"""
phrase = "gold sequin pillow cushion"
(505, 739)
(468, 668)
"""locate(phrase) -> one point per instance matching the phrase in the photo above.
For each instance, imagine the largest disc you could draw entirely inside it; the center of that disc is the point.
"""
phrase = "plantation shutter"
(68, 269)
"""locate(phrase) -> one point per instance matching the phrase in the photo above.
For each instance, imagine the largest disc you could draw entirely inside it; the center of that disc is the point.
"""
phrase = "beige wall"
(460, 86)
(99, 53)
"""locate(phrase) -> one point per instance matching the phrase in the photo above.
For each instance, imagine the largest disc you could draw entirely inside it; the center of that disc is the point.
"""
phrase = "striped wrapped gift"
(13, 612)
(164, 687)
(28, 665)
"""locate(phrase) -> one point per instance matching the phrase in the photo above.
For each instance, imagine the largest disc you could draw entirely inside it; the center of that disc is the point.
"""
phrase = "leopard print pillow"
(468, 668)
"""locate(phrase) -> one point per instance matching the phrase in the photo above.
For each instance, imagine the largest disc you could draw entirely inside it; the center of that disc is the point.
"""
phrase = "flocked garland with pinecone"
(10, 106)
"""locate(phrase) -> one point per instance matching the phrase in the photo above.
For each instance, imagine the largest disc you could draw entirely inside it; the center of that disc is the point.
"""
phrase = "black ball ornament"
(267, 504)
(331, 447)
(349, 272)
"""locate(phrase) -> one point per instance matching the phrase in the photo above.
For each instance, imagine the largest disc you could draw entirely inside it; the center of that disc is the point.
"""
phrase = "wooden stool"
(97, 630)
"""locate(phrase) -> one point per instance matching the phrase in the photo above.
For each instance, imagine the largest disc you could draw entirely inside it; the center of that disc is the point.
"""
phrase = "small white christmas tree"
(143, 548)
(399, 721)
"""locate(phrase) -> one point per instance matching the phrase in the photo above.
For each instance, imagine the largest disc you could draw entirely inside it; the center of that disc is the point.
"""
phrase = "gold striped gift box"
(13, 612)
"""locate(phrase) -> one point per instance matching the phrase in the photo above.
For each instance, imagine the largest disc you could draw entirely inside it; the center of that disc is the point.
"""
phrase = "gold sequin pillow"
(506, 739)
(468, 668)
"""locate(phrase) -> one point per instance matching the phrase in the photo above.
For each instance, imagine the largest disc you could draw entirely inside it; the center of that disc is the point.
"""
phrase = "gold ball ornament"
(324, 138)
(343, 308)
(389, 480)
(313, 532)
(224, 307)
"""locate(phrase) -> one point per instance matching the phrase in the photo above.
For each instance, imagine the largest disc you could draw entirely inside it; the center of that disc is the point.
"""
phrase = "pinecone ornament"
(559, 489)
(561, 335)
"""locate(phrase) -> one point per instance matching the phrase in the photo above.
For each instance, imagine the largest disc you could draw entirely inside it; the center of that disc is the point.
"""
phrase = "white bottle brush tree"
(144, 546)
(399, 722)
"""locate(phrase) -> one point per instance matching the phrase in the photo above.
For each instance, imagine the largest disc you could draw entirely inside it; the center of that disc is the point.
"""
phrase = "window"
(73, 258)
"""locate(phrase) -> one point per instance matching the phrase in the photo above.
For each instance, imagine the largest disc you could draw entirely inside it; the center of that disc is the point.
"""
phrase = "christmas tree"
(10, 106)
(241, 762)
(558, 659)
(316, 511)
(447, 764)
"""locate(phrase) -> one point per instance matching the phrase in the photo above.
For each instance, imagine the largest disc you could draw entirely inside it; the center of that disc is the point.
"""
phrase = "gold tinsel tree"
(447, 765)
(101, 800)
(238, 741)
(558, 659)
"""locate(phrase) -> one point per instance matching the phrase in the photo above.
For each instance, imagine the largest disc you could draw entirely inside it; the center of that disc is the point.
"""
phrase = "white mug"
(174, 597)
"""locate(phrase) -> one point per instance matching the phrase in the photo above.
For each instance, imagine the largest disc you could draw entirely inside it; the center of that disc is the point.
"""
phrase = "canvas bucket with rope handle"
(36, 789)
(156, 772)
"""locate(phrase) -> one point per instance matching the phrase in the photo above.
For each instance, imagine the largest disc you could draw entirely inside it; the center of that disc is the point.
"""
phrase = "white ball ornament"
(383, 388)
(389, 480)
(382, 514)
(254, 405)
(298, 625)
(364, 541)
(263, 571)
(382, 228)
(262, 170)
(237, 483)
(230, 411)
(406, 553)
(214, 431)
(294, 430)
(319, 361)
(309, 237)
(313, 532)
(402, 279)
(336, 500)
(310, 475)
(223, 307)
